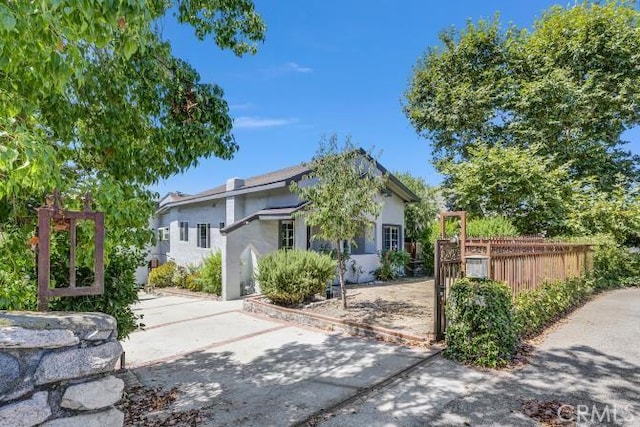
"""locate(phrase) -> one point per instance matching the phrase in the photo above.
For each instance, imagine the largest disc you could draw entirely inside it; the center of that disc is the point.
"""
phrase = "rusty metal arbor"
(64, 220)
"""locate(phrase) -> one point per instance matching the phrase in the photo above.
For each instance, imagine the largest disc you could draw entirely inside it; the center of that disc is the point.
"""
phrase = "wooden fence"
(526, 263)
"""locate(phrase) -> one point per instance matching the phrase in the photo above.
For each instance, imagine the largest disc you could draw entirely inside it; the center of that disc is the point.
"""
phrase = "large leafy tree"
(91, 99)
(511, 182)
(529, 124)
(343, 191)
(571, 86)
(419, 216)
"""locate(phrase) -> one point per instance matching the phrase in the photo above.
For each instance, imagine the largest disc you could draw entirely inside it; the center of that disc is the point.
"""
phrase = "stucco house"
(245, 219)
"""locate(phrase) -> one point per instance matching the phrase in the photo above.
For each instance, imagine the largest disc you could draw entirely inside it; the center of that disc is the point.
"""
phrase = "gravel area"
(404, 305)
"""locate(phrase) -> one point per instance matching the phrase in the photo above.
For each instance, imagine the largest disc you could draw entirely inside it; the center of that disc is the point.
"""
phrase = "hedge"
(480, 325)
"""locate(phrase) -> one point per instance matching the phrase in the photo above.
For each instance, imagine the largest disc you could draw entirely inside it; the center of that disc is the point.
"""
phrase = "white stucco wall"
(187, 252)
(244, 246)
(392, 214)
(277, 198)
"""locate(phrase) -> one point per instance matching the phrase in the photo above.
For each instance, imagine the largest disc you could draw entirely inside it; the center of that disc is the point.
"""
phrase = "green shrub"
(480, 326)
(16, 293)
(536, 309)
(120, 292)
(192, 282)
(392, 264)
(292, 276)
(162, 276)
(179, 277)
(210, 274)
(496, 226)
(615, 266)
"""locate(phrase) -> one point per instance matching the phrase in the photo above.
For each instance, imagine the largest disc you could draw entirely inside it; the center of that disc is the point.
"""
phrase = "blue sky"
(328, 66)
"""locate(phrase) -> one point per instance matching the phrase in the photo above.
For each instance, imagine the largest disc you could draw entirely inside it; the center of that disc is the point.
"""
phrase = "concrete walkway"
(244, 370)
(592, 361)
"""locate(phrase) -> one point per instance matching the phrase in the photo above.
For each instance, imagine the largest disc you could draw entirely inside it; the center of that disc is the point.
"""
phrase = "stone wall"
(55, 370)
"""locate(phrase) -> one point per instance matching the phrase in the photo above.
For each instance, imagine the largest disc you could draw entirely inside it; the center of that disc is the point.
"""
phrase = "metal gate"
(448, 268)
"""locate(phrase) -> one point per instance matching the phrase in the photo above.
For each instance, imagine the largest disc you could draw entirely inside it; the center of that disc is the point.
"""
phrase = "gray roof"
(269, 213)
(279, 177)
(286, 174)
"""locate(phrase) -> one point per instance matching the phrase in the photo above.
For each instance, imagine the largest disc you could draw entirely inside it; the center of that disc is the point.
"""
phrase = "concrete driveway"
(590, 361)
(240, 369)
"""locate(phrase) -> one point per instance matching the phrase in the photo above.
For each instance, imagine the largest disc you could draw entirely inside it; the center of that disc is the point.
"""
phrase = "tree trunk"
(341, 269)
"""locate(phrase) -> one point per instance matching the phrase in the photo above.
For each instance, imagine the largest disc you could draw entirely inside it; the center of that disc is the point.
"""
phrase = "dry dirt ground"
(404, 305)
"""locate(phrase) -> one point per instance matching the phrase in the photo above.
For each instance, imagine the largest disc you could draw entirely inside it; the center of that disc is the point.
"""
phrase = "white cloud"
(288, 68)
(246, 122)
(292, 66)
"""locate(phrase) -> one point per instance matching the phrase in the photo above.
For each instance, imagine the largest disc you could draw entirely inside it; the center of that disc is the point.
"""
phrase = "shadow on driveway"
(259, 382)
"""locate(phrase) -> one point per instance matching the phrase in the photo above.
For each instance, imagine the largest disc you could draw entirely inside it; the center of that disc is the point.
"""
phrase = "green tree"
(343, 191)
(512, 182)
(91, 99)
(419, 216)
(615, 213)
(570, 86)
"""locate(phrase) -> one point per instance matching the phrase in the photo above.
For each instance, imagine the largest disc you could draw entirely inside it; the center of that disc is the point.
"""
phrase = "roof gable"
(276, 179)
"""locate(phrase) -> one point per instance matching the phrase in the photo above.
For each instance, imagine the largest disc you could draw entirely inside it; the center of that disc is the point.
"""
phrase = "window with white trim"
(184, 231)
(391, 237)
(286, 234)
(163, 234)
(204, 235)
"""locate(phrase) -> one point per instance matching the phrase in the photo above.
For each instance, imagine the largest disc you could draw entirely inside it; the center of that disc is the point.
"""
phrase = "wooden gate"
(448, 268)
(523, 263)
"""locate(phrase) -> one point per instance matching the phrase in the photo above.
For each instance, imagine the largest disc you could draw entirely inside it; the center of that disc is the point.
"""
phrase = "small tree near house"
(342, 190)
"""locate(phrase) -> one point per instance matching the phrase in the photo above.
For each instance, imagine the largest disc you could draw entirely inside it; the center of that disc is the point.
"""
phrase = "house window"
(286, 235)
(163, 234)
(204, 235)
(391, 237)
(184, 231)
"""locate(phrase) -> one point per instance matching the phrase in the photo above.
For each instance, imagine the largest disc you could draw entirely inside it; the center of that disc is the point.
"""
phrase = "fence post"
(437, 273)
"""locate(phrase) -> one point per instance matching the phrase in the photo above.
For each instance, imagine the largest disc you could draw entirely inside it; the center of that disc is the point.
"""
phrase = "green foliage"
(554, 101)
(615, 212)
(120, 291)
(290, 277)
(16, 293)
(179, 278)
(103, 102)
(495, 226)
(162, 276)
(392, 264)
(512, 182)
(615, 266)
(480, 326)
(192, 282)
(533, 310)
(569, 85)
(342, 190)
(210, 274)
(418, 216)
